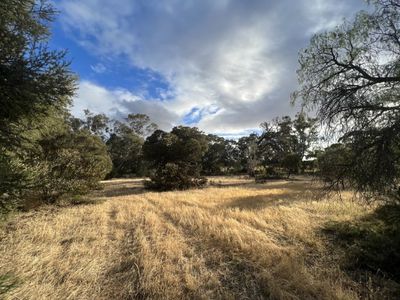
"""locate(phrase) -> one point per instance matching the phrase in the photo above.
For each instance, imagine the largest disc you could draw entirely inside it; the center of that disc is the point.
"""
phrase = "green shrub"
(175, 177)
(70, 163)
(175, 158)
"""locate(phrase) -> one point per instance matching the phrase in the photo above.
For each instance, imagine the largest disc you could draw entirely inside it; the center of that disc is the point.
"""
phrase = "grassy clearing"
(239, 240)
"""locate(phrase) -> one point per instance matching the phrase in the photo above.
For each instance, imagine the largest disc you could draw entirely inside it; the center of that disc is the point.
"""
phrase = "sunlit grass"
(239, 240)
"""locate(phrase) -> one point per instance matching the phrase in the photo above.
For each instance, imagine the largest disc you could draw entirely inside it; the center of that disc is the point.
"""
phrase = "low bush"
(175, 177)
(175, 158)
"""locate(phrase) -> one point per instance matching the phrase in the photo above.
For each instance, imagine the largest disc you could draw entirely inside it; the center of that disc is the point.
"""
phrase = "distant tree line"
(181, 158)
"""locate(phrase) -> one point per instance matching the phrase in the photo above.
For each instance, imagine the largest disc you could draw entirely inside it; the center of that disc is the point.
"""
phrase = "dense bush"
(42, 155)
(52, 161)
(175, 158)
(70, 163)
(175, 176)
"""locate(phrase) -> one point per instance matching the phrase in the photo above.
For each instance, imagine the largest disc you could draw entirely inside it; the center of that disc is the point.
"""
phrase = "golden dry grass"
(239, 241)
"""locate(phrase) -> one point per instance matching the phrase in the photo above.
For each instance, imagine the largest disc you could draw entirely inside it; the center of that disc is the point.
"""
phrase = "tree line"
(349, 76)
(182, 157)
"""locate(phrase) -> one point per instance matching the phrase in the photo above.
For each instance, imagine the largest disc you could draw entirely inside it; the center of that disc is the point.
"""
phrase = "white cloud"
(98, 68)
(119, 103)
(238, 56)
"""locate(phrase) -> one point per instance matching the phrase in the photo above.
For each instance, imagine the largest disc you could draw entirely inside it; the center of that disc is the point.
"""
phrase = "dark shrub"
(175, 158)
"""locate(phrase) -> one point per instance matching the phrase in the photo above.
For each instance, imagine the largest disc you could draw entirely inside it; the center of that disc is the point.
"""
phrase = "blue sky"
(224, 66)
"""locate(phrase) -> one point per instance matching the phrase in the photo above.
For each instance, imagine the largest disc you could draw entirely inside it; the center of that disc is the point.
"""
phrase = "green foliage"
(221, 157)
(36, 87)
(333, 162)
(371, 243)
(175, 176)
(351, 76)
(141, 124)
(291, 162)
(95, 124)
(375, 166)
(70, 163)
(125, 148)
(284, 144)
(249, 153)
(7, 283)
(305, 130)
(32, 77)
(124, 140)
(14, 176)
(52, 161)
(175, 158)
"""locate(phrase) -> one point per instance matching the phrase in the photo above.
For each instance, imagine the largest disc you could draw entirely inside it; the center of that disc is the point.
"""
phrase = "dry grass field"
(233, 240)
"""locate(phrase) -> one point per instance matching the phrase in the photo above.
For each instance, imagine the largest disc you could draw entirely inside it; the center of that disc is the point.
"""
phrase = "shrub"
(175, 158)
(174, 176)
(70, 163)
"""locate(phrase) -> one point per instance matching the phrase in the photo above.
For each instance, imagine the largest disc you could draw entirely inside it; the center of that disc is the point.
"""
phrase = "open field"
(235, 240)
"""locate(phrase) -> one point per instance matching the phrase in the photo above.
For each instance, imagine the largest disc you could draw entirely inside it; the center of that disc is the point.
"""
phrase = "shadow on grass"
(115, 189)
(7, 283)
(264, 201)
(371, 243)
(83, 200)
(216, 183)
(124, 191)
(292, 183)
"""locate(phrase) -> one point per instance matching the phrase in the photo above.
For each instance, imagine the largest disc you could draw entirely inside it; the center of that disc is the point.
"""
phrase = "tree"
(141, 124)
(278, 146)
(124, 139)
(32, 77)
(125, 143)
(305, 129)
(221, 156)
(35, 83)
(285, 143)
(248, 153)
(332, 164)
(351, 75)
(98, 124)
(44, 153)
(51, 160)
(125, 148)
(175, 158)
(69, 163)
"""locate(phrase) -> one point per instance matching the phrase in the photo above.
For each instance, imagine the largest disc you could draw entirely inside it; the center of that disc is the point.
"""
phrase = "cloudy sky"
(224, 66)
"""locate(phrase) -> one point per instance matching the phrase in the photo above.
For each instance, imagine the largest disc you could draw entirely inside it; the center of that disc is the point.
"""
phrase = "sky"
(224, 66)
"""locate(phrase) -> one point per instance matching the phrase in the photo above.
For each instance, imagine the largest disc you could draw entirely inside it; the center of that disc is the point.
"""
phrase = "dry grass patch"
(241, 241)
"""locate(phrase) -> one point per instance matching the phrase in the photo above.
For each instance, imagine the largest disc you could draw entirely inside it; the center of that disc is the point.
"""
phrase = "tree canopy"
(42, 153)
(351, 76)
(176, 158)
(32, 77)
